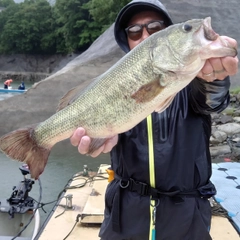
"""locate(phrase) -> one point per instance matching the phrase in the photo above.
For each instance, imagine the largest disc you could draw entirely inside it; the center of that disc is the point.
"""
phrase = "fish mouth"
(209, 33)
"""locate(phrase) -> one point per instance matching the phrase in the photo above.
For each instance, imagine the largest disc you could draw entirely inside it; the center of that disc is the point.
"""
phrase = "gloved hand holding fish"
(144, 80)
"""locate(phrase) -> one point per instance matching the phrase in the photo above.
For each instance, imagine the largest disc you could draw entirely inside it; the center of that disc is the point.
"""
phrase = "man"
(7, 83)
(21, 86)
(176, 207)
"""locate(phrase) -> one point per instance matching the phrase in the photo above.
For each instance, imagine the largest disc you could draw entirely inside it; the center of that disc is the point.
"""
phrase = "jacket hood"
(129, 11)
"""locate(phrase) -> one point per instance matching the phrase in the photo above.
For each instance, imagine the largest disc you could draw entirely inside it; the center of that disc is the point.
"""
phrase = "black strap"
(116, 212)
(144, 189)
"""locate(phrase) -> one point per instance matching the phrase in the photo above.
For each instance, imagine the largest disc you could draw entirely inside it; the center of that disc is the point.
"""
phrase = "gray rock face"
(38, 64)
(225, 138)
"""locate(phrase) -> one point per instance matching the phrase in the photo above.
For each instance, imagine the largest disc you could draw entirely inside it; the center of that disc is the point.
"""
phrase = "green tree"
(105, 14)
(28, 29)
(6, 16)
(6, 3)
(75, 29)
(35, 26)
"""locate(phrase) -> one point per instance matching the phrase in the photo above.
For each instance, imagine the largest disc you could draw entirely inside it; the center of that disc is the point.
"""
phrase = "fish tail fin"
(95, 144)
(20, 145)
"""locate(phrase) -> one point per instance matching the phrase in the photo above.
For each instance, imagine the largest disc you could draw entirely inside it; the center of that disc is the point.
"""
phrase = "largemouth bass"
(144, 80)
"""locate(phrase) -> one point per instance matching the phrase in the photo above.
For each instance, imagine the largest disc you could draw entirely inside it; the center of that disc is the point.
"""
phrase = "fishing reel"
(19, 201)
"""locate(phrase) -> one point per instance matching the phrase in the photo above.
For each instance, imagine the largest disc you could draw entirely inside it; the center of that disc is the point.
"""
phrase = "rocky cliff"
(31, 68)
(225, 138)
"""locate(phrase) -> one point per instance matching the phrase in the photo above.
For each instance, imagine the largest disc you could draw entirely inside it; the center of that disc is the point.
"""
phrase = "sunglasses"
(134, 32)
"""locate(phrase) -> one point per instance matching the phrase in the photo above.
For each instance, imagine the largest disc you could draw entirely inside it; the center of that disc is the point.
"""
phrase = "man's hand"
(220, 68)
(82, 141)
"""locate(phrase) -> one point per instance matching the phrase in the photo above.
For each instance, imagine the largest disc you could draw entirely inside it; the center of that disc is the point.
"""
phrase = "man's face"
(142, 18)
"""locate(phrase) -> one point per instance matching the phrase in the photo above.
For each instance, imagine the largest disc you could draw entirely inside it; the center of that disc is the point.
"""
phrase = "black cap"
(129, 11)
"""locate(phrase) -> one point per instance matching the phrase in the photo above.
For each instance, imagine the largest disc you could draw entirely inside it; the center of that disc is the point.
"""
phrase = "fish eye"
(187, 27)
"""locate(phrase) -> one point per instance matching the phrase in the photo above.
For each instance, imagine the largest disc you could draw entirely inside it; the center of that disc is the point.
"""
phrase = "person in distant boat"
(21, 86)
(7, 83)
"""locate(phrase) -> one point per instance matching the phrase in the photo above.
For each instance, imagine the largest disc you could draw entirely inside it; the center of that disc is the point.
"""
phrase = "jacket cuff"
(209, 97)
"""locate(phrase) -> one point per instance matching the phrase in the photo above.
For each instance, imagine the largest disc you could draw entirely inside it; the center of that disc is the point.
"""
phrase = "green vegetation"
(235, 90)
(36, 27)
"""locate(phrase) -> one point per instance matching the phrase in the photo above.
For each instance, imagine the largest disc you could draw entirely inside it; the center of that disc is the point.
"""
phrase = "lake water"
(14, 86)
(64, 161)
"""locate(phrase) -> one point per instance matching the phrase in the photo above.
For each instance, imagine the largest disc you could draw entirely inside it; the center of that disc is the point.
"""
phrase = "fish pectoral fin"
(148, 91)
(165, 104)
(95, 144)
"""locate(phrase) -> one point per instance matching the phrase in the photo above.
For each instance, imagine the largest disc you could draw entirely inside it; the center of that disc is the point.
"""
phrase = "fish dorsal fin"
(72, 95)
(148, 91)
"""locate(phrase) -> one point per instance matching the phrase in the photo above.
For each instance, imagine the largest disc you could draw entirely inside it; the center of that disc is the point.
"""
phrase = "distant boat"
(11, 90)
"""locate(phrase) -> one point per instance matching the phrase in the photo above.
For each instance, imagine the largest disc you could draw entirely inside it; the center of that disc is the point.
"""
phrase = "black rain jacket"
(182, 163)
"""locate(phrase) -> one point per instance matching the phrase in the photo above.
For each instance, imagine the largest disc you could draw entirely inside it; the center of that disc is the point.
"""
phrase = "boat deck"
(88, 205)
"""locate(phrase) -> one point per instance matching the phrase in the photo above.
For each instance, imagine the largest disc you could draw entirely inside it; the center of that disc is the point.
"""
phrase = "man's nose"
(145, 33)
